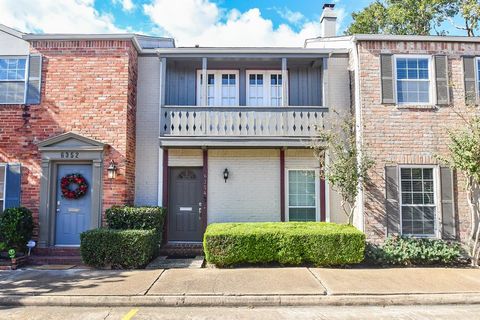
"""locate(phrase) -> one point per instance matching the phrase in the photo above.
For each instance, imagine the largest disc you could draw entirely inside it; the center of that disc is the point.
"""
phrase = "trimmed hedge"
(143, 218)
(291, 243)
(119, 249)
(414, 251)
(16, 228)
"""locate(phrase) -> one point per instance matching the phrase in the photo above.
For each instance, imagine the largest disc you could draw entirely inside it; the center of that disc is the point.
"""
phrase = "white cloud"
(294, 17)
(127, 5)
(203, 22)
(54, 16)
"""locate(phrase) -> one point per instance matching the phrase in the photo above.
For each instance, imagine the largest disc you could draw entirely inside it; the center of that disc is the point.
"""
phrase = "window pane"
(418, 210)
(2, 181)
(302, 214)
(413, 83)
(301, 195)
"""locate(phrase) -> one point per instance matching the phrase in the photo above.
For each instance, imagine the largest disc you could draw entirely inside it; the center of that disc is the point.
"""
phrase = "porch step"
(182, 249)
(58, 260)
(56, 251)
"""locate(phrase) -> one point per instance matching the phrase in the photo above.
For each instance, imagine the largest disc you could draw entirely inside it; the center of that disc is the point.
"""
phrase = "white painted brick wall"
(252, 192)
(147, 149)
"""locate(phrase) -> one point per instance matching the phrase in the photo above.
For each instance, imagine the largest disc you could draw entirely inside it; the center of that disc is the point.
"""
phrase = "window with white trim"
(418, 201)
(302, 195)
(478, 74)
(413, 79)
(222, 88)
(3, 178)
(264, 88)
(13, 80)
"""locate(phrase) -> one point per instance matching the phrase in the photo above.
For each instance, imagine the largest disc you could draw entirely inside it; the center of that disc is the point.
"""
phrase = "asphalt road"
(470, 312)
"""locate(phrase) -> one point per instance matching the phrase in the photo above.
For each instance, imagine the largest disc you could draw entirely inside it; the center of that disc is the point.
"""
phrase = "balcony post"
(325, 102)
(163, 73)
(204, 88)
(284, 83)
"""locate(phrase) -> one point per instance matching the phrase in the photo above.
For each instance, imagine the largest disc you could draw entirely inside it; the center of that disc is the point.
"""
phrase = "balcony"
(183, 125)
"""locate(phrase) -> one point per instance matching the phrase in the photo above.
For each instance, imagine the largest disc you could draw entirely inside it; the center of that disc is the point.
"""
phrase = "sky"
(190, 22)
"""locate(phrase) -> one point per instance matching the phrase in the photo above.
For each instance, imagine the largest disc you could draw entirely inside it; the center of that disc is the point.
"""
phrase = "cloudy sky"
(190, 22)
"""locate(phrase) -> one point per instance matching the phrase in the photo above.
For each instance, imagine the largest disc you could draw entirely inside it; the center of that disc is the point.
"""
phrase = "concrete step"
(56, 251)
(55, 259)
(182, 250)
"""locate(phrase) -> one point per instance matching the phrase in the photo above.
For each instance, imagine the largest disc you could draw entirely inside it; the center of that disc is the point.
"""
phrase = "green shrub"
(414, 251)
(144, 218)
(119, 249)
(16, 228)
(289, 243)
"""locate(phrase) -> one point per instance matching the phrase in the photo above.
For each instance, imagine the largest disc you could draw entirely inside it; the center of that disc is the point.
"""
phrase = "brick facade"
(394, 135)
(88, 87)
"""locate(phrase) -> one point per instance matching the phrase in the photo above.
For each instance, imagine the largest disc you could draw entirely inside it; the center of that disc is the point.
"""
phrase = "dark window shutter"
(388, 79)
(441, 80)
(13, 186)
(448, 204)
(469, 80)
(392, 200)
(34, 79)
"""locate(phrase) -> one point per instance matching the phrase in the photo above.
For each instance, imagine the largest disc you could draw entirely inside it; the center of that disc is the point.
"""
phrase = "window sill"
(416, 107)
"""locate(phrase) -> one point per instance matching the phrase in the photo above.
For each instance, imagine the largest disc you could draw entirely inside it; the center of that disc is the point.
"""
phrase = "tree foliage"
(464, 155)
(410, 17)
(347, 167)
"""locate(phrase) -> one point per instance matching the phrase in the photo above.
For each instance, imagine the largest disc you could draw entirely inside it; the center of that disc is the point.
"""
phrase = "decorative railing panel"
(184, 121)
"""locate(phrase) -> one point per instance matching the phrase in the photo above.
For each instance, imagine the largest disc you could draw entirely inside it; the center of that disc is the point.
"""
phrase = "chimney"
(328, 21)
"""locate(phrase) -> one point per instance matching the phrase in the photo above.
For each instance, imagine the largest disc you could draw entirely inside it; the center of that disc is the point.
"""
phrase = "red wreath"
(76, 179)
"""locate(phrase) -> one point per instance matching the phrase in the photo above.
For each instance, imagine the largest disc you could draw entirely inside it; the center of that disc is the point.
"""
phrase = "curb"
(239, 301)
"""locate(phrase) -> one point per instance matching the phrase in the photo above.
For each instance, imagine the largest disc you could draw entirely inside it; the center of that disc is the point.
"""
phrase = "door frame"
(203, 219)
(67, 148)
(54, 199)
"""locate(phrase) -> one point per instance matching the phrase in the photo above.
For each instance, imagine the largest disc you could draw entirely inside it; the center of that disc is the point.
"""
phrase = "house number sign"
(69, 155)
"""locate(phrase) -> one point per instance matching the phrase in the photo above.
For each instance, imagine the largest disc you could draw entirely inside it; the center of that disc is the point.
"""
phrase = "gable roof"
(70, 140)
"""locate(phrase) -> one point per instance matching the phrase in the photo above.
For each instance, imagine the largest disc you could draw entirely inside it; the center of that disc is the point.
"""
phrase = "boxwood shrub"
(16, 228)
(414, 251)
(288, 243)
(119, 249)
(127, 217)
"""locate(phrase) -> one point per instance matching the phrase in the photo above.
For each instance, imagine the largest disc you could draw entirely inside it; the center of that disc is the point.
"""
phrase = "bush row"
(16, 228)
(290, 243)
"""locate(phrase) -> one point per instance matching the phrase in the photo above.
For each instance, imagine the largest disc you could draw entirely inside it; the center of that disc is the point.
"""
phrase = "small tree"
(464, 155)
(347, 167)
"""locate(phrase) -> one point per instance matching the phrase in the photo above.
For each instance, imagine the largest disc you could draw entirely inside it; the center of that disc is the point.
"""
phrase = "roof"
(141, 42)
(390, 37)
(11, 31)
(243, 52)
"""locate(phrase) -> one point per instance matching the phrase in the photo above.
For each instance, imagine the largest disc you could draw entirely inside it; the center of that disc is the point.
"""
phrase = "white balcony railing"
(200, 121)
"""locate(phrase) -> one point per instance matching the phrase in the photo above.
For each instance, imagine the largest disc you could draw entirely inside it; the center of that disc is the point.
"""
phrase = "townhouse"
(222, 134)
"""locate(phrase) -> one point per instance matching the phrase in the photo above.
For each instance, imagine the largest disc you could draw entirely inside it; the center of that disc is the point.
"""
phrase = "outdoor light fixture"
(112, 170)
(225, 174)
(31, 244)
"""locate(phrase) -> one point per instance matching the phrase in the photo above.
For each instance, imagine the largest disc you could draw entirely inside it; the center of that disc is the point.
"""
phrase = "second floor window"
(413, 80)
(222, 88)
(264, 88)
(13, 80)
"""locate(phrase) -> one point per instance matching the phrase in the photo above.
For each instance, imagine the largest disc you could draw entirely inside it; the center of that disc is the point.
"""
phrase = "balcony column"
(204, 88)
(325, 102)
(163, 73)
(284, 83)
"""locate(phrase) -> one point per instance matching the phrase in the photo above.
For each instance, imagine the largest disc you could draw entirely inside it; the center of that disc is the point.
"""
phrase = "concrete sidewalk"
(242, 286)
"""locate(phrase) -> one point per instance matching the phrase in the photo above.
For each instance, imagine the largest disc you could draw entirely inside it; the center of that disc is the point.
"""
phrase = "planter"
(7, 263)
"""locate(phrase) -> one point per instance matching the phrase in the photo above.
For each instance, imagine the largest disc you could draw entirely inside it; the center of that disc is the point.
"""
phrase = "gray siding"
(13, 46)
(338, 92)
(305, 82)
(147, 146)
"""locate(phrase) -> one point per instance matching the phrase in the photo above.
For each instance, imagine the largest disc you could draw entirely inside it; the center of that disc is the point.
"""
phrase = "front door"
(184, 212)
(72, 215)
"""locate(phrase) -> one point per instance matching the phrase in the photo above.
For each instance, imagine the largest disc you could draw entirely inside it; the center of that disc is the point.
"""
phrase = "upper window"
(418, 203)
(264, 88)
(222, 88)
(413, 80)
(13, 77)
(3, 177)
(302, 195)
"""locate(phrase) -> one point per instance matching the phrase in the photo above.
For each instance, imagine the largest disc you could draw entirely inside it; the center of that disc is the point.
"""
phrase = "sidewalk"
(240, 287)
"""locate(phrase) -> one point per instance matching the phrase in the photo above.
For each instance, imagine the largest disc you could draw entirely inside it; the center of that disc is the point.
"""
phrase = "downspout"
(360, 224)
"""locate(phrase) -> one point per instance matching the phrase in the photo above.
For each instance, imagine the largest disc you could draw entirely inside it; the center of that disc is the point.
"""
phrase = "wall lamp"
(112, 170)
(225, 174)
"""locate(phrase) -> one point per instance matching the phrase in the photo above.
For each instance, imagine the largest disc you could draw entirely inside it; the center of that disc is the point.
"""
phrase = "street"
(265, 313)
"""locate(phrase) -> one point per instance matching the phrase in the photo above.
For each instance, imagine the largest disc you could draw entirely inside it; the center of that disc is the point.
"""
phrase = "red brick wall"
(88, 87)
(394, 135)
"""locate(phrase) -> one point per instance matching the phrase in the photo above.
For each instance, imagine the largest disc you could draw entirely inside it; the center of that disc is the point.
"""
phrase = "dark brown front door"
(184, 214)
